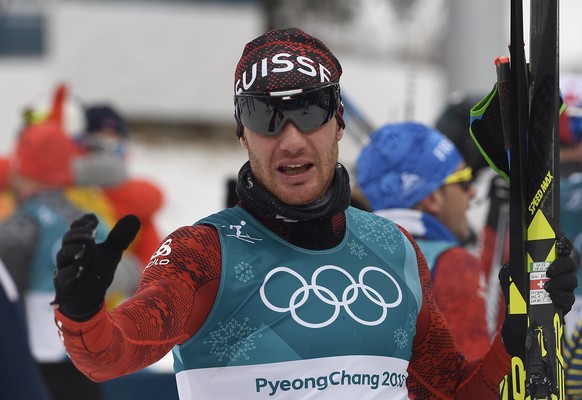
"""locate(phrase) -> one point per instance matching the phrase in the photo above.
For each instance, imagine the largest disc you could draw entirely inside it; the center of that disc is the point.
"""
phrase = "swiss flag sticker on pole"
(537, 280)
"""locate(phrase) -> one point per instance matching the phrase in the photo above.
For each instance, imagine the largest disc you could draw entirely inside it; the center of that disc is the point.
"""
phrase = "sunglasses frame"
(277, 102)
(463, 177)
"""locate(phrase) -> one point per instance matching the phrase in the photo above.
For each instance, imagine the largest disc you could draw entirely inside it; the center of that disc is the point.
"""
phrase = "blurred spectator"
(413, 175)
(91, 171)
(453, 122)
(106, 143)
(31, 235)
(19, 374)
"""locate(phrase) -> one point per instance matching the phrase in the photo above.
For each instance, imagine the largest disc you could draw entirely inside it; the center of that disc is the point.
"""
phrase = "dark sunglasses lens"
(466, 185)
(258, 114)
(268, 114)
(311, 111)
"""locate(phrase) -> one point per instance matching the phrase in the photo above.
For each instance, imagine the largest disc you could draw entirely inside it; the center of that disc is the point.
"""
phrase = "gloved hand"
(562, 274)
(86, 269)
(561, 286)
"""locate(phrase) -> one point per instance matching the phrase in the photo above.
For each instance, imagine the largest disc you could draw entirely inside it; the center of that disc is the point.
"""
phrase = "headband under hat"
(285, 59)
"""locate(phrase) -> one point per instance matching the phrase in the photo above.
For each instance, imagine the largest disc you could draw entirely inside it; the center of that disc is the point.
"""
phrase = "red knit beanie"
(44, 152)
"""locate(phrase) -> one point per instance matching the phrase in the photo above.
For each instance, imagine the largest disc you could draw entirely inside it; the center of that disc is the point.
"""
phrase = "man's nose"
(291, 138)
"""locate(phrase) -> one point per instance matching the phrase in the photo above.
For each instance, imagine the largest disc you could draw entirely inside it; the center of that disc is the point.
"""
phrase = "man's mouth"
(295, 169)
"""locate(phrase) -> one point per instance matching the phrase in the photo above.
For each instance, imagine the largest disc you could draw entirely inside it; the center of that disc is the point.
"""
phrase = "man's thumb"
(121, 236)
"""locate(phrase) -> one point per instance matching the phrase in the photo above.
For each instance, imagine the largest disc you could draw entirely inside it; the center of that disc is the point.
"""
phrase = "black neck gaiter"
(261, 202)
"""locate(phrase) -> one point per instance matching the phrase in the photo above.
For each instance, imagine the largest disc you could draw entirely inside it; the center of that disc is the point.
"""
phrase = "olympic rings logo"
(349, 296)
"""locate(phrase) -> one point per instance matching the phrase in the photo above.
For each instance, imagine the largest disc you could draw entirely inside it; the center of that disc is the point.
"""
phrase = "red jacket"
(459, 291)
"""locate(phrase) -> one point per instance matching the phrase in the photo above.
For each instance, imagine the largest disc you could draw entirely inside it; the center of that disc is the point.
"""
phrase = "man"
(413, 175)
(292, 293)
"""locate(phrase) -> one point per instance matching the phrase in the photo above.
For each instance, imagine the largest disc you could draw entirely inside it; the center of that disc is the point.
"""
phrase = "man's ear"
(243, 142)
(340, 132)
(433, 203)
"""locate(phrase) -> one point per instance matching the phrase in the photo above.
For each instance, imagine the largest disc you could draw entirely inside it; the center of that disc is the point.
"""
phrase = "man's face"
(456, 201)
(295, 167)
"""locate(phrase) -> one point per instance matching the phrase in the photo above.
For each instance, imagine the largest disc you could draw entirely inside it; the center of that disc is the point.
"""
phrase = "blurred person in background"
(103, 185)
(96, 168)
(107, 139)
(19, 374)
(101, 180)
(41, 169)
(413, 175)
(453, 122)
(101, 172)
(232, 294)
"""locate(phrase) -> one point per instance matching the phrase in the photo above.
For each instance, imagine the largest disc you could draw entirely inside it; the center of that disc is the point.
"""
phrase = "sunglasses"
(463, 177)
(267, 113)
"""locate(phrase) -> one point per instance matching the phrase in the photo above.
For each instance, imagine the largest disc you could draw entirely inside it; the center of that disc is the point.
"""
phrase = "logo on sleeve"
(159, 256)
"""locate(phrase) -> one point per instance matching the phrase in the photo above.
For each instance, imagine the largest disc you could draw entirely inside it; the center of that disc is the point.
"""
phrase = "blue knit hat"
(403, 163)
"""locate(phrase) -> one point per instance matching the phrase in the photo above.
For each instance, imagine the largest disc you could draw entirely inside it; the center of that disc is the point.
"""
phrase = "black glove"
(85, 269)
(562, 274)
(560, 287)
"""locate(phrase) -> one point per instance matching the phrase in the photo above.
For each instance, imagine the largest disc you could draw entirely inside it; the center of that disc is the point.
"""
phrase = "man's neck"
(318, 234)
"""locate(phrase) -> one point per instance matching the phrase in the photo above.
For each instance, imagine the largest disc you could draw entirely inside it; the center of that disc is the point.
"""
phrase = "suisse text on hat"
(281, 63)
